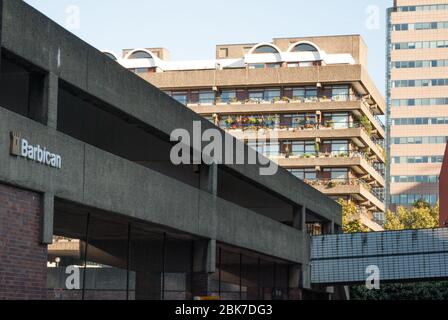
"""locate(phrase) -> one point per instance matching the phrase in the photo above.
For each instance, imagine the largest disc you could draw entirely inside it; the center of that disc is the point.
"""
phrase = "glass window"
(256, 66)
(206, 97)
(265, 49)
(140, 55)
(180, 97)
(228, 95)
(271, 94)
(304, 47)
(340, 93)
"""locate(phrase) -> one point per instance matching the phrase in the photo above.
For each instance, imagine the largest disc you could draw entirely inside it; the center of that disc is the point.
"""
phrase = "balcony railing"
(335, 154)
(271, 123)
(333, 183)
(278, 99)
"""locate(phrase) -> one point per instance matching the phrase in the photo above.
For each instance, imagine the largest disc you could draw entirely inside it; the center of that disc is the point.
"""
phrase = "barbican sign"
(22, 148)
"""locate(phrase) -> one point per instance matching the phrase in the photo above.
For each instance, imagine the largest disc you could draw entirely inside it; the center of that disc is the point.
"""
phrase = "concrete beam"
(47, 218)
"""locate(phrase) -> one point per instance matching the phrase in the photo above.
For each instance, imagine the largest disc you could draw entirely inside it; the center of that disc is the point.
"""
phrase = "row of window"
(420, 45)
(420, 179)
(419, 140)
(300, 147)
(420, 83)
(326, 173)
(409, 199)
(419, 102)
(279, 65)
(430, 7)
(420, 64)
(417, 159)
(419, 121)
(420, 26)
(260, 94)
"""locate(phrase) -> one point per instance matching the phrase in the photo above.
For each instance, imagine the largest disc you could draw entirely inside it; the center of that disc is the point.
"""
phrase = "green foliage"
(420, 215)
(437, 290)
(351, 221)
(365, 122)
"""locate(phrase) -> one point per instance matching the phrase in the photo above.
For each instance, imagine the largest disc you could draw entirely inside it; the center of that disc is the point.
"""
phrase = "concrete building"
(314, 92)
(87, 187)
(417, 98)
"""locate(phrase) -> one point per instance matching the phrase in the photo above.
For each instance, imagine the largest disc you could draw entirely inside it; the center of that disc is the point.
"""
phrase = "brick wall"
(23, 259)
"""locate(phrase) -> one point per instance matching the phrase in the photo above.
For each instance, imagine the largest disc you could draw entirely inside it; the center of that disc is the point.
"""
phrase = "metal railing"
(328, 183)
(278, 99)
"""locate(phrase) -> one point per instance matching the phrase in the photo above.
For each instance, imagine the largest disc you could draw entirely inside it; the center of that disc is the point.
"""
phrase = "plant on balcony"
(331, 184)
(367, 125)
(329, 124)
(285, 99)
(317, 147)
(229, 121)
(297, 99)
(276, 100)
(234, 100)
(324, 99)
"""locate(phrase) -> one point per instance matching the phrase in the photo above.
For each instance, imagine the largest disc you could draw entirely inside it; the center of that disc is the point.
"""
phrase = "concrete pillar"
(294, 282)
(299, 218)
(51, 100)
(204, 264)
(47, 218)
(208, 178)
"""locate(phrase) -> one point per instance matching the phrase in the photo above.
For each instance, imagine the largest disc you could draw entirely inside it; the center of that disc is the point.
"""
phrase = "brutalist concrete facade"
(111, 130)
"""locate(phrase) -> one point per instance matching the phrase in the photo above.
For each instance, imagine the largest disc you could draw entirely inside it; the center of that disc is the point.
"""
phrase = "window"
(338, 120)
(228, 95)
(340, 93)
(206, 97)
(337, 147)
(110, 56)
(256, 66)
(140, 55)
(268, 149)
(140, 70)
(304, 174)
(271, 94)
(304, 47)
(223, 53)
(180, 97)
(336, 173)
(265, 49)
(300, 148)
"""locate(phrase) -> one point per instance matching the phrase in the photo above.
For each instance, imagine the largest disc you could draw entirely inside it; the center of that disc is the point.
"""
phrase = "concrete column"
(299, 218)
(51, 100)
(208, 178)
(294, 282)
(47, 218)
(204, 264)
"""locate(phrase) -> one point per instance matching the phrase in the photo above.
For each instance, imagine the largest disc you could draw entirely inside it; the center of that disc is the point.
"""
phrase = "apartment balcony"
(337, 103)
(359, 190)
(355, 75)
(359, 162)
(352, 131)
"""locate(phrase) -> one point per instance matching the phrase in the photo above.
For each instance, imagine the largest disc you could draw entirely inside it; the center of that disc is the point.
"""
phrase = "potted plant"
(329, 124)
(276, 100)
(234, 100)
(285, 99)
(229, 121)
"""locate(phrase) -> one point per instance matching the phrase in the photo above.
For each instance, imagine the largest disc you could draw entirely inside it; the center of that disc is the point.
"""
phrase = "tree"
(420, 215)
(351, 220)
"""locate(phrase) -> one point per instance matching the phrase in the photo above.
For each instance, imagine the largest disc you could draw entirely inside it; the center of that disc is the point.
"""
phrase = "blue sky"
(191, 29)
